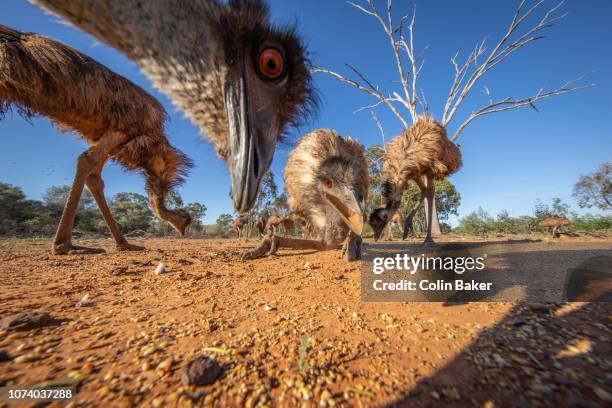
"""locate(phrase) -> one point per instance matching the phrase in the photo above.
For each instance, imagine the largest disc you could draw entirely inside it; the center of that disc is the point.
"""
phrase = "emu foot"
(407, 234)
(268, 244)
(69, 249)
(351, 249)
(429, 241)
(126, 246)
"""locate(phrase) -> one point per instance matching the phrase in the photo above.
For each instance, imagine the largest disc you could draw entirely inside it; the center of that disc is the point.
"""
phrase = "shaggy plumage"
(272, 223)
(260, 225)
(288, 225)
(554, 223)
(239, 222)
(195, 50)
(423, 150)
(326, 180)
(40, 76)
(304, 164)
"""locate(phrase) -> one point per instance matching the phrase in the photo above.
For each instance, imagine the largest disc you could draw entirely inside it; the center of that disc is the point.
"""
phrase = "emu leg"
(273, 242)
(408, 222)
(95, 184)
(555, 232)
(86, 163)
(430, 196)
(351, 249)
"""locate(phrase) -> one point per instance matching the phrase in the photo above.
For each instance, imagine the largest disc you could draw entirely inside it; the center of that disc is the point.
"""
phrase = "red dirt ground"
(289, 330)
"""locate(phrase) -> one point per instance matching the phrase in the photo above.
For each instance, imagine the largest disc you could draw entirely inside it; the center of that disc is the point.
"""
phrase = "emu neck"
(391, 196)
(336, 229)
(173, 44)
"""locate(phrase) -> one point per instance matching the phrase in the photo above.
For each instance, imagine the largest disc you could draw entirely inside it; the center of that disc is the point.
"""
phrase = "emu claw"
(268, 244)
(69, 249)
(129, 247)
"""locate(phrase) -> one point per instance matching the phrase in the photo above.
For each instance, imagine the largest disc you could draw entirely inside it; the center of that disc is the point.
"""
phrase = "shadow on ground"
(540, 355)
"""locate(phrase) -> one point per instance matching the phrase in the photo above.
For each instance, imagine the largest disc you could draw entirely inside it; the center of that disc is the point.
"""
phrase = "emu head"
(339, 183)
(267, 88)
(379, 218)
(391, 197)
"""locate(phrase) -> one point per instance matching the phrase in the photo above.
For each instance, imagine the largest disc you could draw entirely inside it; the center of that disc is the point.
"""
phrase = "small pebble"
(200, 370)
(119, 271)
(4, 356)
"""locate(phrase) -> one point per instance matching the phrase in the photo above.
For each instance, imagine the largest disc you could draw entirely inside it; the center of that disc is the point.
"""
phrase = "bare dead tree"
(471, 71)
(466, 75)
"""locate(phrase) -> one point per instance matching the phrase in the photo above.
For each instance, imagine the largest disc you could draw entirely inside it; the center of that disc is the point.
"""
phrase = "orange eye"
(271, 63)
(328, 183)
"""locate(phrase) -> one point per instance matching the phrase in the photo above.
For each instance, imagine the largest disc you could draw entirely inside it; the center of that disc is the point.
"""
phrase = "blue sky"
(510, 159)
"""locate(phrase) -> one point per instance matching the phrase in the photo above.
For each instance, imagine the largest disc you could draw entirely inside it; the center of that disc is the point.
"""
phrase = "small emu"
(272, 224)
(239, 224)
(260, 226)
(288, 225)
(119, 120)
(555, 223)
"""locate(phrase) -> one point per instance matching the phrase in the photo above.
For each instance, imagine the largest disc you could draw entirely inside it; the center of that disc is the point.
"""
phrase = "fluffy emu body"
(422, 151)
(288, 225)
(119, 120)
(554, 223)
(273, 223)
(326, 180)
(239, 224)
(260, 225)
(237, 76)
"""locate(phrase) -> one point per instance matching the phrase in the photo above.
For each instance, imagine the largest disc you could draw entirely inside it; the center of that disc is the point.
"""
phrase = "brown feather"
(553, 222)
(40, 76)
(421, 149)
(304, 162)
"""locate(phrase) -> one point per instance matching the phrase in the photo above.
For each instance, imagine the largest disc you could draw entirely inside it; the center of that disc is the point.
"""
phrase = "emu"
(273, 223)
(326, 180)
(118, 119)
(423, 150)
(238, 77)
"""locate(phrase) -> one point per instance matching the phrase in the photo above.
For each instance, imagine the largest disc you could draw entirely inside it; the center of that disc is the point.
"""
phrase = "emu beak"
(251, 150)
(350, 208)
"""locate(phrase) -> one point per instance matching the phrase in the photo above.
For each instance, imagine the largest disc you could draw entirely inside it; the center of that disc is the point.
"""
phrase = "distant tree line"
(481, 222)
(269, 202)
(22, 217)
(593, 190)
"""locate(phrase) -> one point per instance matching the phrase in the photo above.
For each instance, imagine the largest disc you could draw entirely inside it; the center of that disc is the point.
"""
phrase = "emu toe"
(129, 247)
(69, 249)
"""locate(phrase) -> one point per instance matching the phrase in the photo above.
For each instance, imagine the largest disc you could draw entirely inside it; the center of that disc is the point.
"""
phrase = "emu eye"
(328, 183)
(270, 63)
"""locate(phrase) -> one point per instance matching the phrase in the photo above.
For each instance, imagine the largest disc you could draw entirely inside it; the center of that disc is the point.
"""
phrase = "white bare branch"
(380, 127)
(399, 45)
(370, 90)
(468, 74)
(511, 103)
